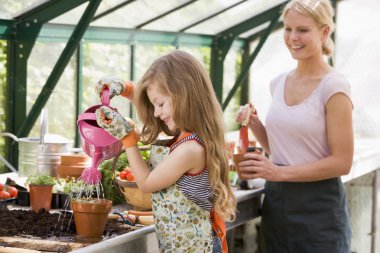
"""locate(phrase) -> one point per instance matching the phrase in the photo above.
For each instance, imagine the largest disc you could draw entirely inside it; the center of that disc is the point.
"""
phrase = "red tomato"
(128, 170)
(12, 191)
(4, 195)
(130, 177)
(123, 175)
(1, 187)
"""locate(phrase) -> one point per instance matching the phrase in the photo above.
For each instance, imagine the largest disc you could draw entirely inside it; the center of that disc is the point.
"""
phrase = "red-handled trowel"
(243, 134)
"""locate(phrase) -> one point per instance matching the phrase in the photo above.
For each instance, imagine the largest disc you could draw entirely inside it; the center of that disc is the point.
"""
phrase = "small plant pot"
(40, 197)
(90, 216)
(240, 157)
(23, 198)
(64, 201)
(55, 201)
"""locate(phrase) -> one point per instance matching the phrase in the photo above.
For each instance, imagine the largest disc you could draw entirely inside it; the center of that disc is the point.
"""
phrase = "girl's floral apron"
(181, 225)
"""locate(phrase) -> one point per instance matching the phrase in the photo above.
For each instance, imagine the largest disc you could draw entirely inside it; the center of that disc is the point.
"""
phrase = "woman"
(309, 135)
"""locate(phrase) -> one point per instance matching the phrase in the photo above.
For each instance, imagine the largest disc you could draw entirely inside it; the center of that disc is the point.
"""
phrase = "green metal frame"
(6, 31)
(79, 86)
(57, 32)
(244, 95)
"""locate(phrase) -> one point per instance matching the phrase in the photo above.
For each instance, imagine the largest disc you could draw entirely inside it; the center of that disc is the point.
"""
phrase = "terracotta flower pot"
(91, 216)
(72, 165)
(40, 197)
(240, 157)
(70, 171)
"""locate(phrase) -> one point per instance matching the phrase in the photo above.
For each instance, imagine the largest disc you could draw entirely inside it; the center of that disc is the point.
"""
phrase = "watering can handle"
(12, 136)
(87, 116)
(106, 97)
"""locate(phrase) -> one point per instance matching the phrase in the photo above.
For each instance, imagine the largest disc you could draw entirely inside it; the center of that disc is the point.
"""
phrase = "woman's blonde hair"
(322, 12)
(195, 109)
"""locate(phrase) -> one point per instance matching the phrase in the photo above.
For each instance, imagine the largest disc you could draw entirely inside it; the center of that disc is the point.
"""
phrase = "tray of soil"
(49, 231)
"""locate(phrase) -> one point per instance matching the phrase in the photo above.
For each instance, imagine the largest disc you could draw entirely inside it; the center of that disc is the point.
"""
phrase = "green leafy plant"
(41, 180)
(78, 189)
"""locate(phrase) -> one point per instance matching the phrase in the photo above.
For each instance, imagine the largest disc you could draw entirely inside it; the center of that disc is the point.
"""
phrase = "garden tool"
(243, 133)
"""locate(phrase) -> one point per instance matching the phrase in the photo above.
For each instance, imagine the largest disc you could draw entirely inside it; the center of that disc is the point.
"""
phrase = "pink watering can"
(96, 142)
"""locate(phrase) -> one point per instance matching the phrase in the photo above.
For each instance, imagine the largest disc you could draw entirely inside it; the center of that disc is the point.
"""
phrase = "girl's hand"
(116, 86)
(113, 122)
(242, 114)
(259, 166)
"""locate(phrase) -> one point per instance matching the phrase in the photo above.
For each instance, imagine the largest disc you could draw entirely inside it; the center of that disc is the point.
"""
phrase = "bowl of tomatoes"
(132, 194)
(8, 195)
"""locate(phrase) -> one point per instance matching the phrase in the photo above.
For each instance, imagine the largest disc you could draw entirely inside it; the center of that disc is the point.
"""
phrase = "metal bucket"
(40, 155)
(40, 158)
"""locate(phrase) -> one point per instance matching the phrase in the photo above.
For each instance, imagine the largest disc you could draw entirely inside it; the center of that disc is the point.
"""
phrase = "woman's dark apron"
(307, 217)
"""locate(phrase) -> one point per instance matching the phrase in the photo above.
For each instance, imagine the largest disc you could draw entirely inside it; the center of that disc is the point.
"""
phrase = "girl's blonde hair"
(195, 109)
(322, 12)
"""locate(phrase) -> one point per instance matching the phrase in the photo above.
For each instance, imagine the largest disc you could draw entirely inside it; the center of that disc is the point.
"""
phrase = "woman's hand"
(242, 115)
(116, 86)
(259, 166)
(113, 122)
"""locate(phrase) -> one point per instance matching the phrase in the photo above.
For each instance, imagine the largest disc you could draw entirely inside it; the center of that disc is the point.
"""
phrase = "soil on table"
(26, 223)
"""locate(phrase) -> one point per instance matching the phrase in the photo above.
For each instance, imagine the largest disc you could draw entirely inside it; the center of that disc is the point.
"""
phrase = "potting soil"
(26, 223)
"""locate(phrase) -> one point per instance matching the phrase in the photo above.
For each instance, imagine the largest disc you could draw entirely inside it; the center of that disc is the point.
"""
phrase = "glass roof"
(208, 17)
(234, 16)
(11, 8)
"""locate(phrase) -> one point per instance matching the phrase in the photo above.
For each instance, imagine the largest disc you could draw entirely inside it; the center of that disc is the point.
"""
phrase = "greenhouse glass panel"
(11, 8)
(231, 70)
(61, 103)
(3, 83)
(234, 16)
(146, 55)
(105, 60)
(202, 54)
(137, 13)
(71, 17)
(189, 15)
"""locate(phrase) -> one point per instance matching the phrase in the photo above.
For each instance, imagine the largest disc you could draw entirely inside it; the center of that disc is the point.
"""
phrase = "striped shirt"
(196, 187)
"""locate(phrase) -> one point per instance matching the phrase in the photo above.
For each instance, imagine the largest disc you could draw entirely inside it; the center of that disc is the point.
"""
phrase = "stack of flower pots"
(72, 165)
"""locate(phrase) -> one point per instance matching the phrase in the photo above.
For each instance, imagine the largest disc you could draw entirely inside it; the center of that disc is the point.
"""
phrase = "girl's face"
(302, 36)
(163, 106)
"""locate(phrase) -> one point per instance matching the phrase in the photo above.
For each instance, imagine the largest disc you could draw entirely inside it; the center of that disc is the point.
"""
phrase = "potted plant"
(40, 188)
(90, 216)
(90, 212)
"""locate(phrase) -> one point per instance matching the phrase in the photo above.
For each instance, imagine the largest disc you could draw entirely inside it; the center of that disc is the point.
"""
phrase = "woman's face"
(163, 106)
(302, 36)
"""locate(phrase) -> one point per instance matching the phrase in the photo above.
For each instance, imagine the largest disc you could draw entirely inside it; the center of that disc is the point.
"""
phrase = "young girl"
(191, 192)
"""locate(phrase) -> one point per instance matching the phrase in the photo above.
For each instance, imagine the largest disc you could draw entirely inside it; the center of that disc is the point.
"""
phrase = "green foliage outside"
(3, 83)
